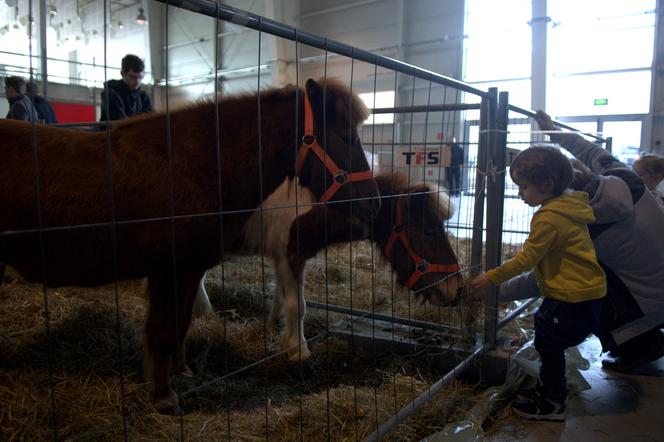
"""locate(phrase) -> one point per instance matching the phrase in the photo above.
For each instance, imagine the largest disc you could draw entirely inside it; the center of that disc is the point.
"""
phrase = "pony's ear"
(342, 105)
(430, 197)
(418, 198)
(315, 93)
(313, 89)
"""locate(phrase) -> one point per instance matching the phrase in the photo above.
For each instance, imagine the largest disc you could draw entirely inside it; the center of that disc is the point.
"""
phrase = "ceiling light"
(52, 11)
(120, 24)
(141, 19)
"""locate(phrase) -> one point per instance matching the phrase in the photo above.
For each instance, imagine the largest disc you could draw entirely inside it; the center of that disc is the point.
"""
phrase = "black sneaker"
(539, 406)
(530, 393)
(623, 364)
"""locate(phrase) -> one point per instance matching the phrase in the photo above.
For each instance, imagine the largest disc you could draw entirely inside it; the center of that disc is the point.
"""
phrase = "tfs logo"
(432, 158)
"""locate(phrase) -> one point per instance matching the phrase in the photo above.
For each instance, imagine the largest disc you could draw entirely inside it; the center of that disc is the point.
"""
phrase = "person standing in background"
(20, 106)
(124, 98)
(44, 110)
(453, 173)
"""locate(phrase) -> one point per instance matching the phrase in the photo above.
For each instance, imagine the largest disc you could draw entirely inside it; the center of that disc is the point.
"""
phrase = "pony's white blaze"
(269, 226)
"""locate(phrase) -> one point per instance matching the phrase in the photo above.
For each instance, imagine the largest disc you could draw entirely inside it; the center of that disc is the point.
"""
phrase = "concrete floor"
(620, 408)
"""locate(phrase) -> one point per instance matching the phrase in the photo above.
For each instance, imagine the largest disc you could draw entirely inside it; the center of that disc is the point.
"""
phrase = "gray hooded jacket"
(627, 236)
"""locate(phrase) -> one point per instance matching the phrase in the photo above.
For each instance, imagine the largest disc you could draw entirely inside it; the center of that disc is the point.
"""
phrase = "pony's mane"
(346, 99)
(438, 200)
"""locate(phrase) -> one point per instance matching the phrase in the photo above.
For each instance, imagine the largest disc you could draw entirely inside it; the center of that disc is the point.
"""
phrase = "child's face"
(533, 195)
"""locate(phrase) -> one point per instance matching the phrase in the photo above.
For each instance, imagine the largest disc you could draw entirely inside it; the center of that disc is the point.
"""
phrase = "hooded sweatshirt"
(560, 251)
(123, 102)
(21, 108)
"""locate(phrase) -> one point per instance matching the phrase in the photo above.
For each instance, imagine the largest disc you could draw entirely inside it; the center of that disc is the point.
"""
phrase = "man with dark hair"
(44, 110)
(123, 98)
(20, 106)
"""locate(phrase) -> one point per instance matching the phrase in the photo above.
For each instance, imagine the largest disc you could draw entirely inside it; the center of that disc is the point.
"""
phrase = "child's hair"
(537, 164)
(652, 163)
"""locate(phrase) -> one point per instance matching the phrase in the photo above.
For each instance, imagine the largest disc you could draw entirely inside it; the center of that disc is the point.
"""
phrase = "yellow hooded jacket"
(560, 251)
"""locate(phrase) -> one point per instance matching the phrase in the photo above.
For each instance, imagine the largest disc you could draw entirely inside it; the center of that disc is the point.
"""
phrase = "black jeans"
(560, 325)
(454, 179)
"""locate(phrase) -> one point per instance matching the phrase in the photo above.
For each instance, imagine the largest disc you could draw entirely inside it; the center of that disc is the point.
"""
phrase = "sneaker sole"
(524, 397)
(557, 417)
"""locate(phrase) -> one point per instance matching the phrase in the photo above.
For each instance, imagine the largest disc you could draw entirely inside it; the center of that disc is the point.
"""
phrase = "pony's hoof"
(185, 371)
(168, 405)
(300, 355)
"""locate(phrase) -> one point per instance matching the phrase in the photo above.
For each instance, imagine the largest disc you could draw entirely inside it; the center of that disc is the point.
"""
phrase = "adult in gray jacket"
(630, 247)
(20, 106)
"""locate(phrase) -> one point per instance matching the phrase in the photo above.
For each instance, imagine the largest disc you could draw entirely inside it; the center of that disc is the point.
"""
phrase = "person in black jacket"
(123, 98)
(44, 110)
(20, 106)
(454, 170)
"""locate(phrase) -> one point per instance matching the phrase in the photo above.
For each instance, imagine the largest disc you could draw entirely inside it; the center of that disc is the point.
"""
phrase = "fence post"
(495, 189)
(480, 173)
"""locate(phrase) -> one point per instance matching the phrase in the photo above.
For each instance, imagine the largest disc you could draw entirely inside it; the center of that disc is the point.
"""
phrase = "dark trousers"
(454, 179)
(560, 325)
(618, 309)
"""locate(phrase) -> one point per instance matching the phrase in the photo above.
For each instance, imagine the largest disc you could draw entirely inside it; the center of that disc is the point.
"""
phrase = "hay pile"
(91, 359)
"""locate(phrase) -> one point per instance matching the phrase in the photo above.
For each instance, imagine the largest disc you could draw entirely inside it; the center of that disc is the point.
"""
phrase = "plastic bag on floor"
(523, 363)
(528, 360)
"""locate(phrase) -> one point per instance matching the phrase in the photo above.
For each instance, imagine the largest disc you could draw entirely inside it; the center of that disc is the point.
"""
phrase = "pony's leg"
(189, 286)
(167, 323)
(294, 309)
(277, 301)
(202, 306)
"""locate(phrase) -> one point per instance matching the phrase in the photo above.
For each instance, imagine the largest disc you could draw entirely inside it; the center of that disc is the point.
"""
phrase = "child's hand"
(481, 281)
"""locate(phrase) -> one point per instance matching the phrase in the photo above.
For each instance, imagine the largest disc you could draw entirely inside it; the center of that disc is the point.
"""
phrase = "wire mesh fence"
(243, 209)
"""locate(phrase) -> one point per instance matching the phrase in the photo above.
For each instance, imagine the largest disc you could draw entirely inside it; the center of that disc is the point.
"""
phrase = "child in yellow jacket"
(573, 284)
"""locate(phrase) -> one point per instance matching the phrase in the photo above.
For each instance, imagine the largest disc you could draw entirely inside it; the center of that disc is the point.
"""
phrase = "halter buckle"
(340, 177)
(309, 139)
(422, 266)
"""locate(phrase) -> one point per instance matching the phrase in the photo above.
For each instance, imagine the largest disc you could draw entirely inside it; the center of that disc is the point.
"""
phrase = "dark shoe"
(540, 408)
(531, 393)
(623, 364)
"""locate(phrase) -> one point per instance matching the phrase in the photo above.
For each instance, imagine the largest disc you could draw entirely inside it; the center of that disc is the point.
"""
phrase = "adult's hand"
(544, 121)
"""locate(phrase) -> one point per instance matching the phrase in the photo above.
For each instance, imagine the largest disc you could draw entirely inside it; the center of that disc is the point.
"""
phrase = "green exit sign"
(601, 101)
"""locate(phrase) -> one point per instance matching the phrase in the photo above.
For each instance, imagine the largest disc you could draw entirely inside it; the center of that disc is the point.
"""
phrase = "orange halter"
(309, 143)
(422, 266)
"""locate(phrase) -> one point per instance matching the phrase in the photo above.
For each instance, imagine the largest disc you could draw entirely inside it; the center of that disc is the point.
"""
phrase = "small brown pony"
(407, 228)
(102, 208)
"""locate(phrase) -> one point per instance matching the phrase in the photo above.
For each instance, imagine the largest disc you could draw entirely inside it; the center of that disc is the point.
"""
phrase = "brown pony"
(407, 228)
(144, 199)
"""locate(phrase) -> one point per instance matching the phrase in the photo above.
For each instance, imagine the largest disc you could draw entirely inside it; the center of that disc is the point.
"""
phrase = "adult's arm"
(594, 157)
(520, 287)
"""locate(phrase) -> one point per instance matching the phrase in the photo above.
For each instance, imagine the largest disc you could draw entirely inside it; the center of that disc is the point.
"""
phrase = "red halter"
(422, 266)
(309, 143)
